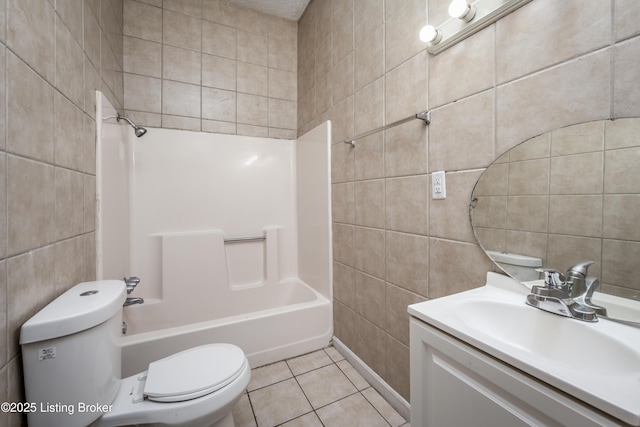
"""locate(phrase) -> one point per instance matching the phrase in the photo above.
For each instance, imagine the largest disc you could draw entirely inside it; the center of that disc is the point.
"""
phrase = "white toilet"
(72, 370)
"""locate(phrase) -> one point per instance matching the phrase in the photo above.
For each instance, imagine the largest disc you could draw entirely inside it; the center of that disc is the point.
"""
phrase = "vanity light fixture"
(462, 10)
(430, 35)
(467, 18)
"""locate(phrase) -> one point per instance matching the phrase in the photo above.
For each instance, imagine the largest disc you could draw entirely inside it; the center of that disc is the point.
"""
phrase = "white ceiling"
(288, 9)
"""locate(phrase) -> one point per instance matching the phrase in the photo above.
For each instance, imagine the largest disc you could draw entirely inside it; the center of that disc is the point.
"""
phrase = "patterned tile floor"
(314, 390)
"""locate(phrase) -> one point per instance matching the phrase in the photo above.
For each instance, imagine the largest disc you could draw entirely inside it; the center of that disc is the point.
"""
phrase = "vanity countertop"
(597, 363)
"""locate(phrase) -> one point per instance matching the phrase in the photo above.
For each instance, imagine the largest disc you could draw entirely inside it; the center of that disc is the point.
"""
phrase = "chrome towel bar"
(425, 116)
(244, 239)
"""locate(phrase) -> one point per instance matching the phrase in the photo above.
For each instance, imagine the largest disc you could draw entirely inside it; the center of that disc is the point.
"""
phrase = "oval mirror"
(563, 197)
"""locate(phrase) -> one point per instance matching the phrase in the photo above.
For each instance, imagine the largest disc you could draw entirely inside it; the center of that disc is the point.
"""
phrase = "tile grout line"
(295, 377)
(314, 410)
(360, 391)
(369, 386)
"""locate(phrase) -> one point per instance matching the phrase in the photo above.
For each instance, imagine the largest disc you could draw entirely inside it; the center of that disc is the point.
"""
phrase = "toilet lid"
(193, 373)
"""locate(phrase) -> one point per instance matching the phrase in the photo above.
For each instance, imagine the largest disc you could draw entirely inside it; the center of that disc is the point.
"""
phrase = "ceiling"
(288, 9)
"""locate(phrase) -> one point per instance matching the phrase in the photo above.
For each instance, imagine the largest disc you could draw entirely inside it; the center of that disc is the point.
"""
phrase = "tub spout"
(131, 301)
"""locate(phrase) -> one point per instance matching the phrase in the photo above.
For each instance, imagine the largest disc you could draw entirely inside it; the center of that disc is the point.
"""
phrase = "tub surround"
(201, 280)
(229, 235)
(113, 173)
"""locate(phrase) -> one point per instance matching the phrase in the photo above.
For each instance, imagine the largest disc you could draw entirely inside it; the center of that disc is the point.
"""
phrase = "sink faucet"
(582, 286)
(576, 276)
(567, 295)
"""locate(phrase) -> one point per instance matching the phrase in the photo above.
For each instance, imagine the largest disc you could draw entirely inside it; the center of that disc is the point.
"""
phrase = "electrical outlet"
(438, 185)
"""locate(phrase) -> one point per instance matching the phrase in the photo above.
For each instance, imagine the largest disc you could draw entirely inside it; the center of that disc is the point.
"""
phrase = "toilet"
(520, 267)
(71, 359)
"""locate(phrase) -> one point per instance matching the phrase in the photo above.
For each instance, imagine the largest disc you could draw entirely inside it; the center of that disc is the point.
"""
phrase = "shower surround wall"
(361, 64)
(170, 199)
(53, 56)
(169, 204)
(210, 66)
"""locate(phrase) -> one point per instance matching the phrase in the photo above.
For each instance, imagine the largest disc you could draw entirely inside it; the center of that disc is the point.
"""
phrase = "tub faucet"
(131, 301)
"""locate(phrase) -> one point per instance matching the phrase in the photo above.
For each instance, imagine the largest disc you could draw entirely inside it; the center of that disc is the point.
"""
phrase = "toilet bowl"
(177, 392)
(72, 360)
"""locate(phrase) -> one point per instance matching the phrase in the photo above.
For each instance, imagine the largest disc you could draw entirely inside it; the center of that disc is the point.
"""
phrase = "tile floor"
(314, 390)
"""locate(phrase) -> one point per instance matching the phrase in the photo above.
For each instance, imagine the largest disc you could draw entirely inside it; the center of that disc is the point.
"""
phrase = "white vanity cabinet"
(456, 385)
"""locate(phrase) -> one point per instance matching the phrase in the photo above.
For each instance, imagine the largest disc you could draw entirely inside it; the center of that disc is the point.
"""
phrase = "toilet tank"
(520, 267)
(71, 355)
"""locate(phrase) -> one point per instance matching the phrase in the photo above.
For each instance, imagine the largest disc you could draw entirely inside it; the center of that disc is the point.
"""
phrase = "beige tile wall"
(52, 59)
(393, 245)
(209, 65)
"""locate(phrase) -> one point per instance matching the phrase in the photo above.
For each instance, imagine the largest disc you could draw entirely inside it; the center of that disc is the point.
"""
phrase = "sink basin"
(567, 342)
(597, 363)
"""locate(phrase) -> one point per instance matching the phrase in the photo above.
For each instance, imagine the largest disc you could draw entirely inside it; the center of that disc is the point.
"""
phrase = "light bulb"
(430, 34)
(460, 9)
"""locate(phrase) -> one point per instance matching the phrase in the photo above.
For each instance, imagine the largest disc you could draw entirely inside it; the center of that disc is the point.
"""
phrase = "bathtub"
(230, 236)
(273, 323)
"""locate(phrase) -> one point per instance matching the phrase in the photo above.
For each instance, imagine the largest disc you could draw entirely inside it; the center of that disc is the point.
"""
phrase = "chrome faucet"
(567, 295)
(576, 276)
(131, 283)
(131, 301)
(583, 286)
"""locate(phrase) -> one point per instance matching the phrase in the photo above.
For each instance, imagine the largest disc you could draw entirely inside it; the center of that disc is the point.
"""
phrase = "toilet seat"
(193, 373)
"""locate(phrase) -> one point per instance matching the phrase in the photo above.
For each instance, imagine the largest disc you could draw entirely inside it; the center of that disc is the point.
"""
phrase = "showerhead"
(138, 130)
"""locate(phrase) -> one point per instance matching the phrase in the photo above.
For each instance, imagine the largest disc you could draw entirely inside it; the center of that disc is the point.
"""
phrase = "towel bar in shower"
(244, 239)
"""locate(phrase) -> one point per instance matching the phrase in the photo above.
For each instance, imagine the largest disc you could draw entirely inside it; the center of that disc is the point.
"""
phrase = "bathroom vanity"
(485, 358)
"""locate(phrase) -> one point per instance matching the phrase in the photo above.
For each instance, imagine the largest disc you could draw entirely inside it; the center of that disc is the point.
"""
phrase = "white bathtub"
(171, 208)
(274, 323)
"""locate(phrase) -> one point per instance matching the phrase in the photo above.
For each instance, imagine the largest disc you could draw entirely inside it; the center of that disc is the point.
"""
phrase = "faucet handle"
(132, 280)
(131, 283)
(553, 279)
